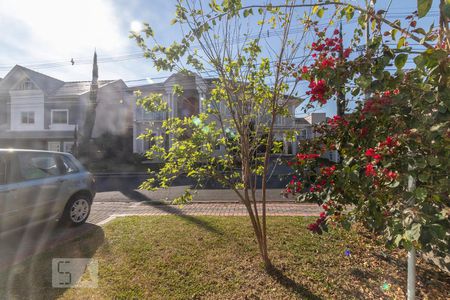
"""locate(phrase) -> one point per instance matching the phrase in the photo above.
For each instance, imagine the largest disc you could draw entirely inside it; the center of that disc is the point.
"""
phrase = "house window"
(27, 117)
(68, 146)
(278, 120)
(303, 134)
(60, 116)
(54, 146)
(26, 85)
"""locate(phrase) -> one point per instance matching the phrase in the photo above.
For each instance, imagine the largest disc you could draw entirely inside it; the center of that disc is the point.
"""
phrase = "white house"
(196, 89)
(41, 112)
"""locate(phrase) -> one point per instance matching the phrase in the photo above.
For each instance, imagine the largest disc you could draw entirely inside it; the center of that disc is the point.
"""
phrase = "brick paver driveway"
(102, 212)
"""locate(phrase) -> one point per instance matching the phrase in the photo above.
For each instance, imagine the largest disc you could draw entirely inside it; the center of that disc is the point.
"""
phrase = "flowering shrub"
(398, 136)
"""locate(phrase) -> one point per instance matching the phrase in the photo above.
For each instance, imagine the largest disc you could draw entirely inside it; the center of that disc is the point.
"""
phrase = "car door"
(10, 208)
(69, 183)
(4, 195)
(39, 187)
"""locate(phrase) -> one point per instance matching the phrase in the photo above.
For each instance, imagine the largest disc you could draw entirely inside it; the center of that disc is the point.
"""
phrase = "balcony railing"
(151, 116)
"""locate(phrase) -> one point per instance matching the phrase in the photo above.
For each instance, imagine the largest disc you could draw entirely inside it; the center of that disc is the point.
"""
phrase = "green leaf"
(424, 177)
(215, 7)
(349, 12)
(400, 60)
(420, 194)
(419, 31)
(394, 33)
(320, 12)
(423, 6)
(419, 60)
(401, 42)
(315, 9)
(394, 184)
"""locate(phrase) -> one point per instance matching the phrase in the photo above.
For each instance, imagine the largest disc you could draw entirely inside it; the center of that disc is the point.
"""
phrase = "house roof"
(44, 82)
(77, 88)
(147, 87)
(48, 85)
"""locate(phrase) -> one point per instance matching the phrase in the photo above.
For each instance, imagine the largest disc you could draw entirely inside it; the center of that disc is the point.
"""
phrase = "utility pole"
(411, 284)
(340, 101)
(369, 5)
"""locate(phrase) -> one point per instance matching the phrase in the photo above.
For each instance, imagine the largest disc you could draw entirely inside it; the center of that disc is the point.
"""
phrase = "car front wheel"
(77, 211)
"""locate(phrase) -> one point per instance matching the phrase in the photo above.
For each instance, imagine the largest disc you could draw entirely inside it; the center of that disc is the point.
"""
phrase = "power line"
(139, 55)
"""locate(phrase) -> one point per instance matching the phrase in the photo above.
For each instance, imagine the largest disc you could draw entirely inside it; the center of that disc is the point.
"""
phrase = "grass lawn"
(181, 257)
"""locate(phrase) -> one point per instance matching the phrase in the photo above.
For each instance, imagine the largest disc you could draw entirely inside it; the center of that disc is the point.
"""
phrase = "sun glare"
(136, 26)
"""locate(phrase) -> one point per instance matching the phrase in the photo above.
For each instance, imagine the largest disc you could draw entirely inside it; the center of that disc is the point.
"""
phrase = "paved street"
(205, 195)
(106, 182)
(102, 212)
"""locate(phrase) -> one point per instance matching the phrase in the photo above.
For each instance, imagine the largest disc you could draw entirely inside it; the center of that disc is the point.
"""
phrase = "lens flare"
(136, 26)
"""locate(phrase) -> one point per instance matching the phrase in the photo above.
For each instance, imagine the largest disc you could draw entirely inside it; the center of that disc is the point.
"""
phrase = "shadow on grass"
(291, 284)
(170, 209)
(30, 276)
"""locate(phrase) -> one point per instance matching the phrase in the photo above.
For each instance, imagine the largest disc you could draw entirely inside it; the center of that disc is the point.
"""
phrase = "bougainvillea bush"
(394, 147)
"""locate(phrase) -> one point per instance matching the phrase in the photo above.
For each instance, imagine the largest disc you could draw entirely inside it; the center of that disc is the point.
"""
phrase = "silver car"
(38, 186)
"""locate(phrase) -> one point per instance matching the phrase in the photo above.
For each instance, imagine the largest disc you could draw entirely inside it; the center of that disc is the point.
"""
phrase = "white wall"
(27, 101)
(316, 118)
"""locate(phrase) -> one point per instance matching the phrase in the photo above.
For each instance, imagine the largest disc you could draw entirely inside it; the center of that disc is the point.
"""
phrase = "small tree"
(249, 91)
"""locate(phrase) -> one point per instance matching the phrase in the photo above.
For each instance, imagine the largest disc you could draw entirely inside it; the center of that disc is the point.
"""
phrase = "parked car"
(39, 186)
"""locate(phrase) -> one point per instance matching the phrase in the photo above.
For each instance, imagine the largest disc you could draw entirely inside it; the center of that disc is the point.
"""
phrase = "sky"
(46, 35)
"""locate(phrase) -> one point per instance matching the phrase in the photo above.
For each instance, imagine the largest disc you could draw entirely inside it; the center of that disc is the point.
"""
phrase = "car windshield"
(224, 149)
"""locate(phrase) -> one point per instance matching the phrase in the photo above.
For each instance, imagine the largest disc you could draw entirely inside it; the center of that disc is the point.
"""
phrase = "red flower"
(327, 62)
(314, 228)
(375, 105)
(336, 121)
(370, 170)
(396, 92)
(347, 52)
(371, 153)
(328, 171)
(336, 31)
(391, 175)
(305, 69)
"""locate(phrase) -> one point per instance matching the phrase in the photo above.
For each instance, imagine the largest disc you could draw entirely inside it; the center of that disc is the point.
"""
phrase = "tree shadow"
(291, 284)
(29, 275)
(360, 274)
(170, 209)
